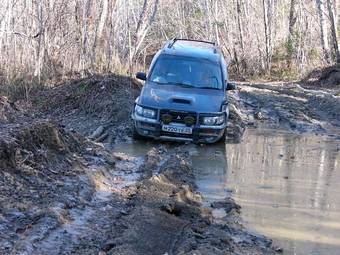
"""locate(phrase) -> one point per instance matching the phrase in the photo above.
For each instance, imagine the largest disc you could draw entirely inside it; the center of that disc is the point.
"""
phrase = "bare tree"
(84, 39)
(292, 22)
(332, 4)
(99, 27)
(146, 18)
(268, 9)
(239, 23)
(39, 38)
(323, 28)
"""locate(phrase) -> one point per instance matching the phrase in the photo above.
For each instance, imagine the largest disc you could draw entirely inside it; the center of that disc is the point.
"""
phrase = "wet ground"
(285, 183)
(74, 181)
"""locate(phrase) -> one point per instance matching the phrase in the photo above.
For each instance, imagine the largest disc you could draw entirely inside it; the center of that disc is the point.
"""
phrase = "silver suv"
(185, 94)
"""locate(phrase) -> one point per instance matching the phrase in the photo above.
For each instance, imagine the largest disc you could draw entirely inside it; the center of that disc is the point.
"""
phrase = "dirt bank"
(87, 104)
(46, 174)
(326, 78)
(290, 106)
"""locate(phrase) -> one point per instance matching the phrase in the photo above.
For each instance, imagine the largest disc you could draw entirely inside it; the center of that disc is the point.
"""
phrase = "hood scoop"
(181, 101)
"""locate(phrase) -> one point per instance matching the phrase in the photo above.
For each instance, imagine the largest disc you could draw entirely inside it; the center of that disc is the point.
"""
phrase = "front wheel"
(223, 139)
(136, 135)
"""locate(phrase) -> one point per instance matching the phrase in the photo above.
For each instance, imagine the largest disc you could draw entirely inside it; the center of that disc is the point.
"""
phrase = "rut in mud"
(63, 192)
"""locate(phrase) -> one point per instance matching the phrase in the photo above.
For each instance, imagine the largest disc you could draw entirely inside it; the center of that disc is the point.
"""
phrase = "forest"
(42, 40)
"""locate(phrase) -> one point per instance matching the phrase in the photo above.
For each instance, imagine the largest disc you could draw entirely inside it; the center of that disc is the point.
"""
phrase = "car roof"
(192, 48)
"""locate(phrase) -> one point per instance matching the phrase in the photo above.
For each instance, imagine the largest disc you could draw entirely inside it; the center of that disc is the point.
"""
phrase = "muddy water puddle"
(287, 185)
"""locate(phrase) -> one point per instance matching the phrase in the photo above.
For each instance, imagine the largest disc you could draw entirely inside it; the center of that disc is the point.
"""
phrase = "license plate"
(177, 129)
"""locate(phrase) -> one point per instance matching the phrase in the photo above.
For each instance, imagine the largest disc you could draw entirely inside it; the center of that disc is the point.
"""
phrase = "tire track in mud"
(93, 220)
(166, 197)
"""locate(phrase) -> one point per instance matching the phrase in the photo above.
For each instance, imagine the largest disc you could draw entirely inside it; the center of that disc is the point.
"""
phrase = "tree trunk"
(240, 25)
(100, 22)
(291, 41)
(331, 10)
(323, 29)
(146, 18)
(267, 35)
(39, 49)
(84, 40)
(217, 36)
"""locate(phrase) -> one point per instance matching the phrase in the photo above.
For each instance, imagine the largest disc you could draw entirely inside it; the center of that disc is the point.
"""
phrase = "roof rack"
(173, 41)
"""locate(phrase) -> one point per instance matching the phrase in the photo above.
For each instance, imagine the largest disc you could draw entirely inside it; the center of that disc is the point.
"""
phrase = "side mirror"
(141, 76)
(231, 86)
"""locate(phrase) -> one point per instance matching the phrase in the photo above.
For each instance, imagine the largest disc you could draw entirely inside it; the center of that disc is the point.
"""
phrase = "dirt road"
(64, 190)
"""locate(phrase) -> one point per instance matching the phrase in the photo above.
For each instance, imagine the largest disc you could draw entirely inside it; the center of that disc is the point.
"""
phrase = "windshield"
(187, 72)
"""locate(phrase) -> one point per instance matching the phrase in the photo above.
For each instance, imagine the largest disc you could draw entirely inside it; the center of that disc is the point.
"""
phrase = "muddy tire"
(136, 135)
(223, 139)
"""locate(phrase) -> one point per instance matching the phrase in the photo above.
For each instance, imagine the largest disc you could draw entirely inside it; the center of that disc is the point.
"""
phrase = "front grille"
(179, 116)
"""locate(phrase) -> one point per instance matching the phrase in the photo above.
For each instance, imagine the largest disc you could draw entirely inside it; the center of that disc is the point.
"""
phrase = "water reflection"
(287, 185)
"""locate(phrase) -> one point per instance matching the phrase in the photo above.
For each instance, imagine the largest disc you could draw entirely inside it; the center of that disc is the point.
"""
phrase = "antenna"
(172, 42)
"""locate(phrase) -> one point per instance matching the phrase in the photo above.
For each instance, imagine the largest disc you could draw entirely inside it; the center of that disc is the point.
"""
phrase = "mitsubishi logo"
(178, 117)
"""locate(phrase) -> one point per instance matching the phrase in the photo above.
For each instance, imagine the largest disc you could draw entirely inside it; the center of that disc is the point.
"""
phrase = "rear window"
(188, 72)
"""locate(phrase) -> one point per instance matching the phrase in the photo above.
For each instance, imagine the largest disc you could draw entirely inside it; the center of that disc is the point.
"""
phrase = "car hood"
(179, 98)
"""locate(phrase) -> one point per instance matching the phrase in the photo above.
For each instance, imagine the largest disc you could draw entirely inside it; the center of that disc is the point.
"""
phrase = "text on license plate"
(176, 129)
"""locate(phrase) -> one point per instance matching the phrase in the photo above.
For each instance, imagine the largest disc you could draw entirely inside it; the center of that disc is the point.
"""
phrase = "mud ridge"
(290, 107)
(48, 178)
(99, 103)
(167, 217)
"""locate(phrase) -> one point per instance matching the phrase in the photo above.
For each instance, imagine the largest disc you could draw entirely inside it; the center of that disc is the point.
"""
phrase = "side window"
(153, 61)
(224, 69)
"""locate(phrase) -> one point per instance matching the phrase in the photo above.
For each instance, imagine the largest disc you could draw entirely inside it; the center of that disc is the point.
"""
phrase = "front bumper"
(201, 134)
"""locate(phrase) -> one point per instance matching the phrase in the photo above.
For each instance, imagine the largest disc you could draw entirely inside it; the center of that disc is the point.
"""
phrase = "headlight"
(212, 121)
(144, 112)
(139, 110)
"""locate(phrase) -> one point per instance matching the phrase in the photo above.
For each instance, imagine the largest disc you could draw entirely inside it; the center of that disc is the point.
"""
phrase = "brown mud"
(64, 190)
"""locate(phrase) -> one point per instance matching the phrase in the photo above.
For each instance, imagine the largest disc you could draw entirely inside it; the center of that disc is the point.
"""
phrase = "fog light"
(166, 118)
(189, 120)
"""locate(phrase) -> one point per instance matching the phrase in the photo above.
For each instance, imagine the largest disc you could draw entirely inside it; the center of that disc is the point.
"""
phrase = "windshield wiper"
(208, 88)
(163, 83)
(175, 83)
(182, 84)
